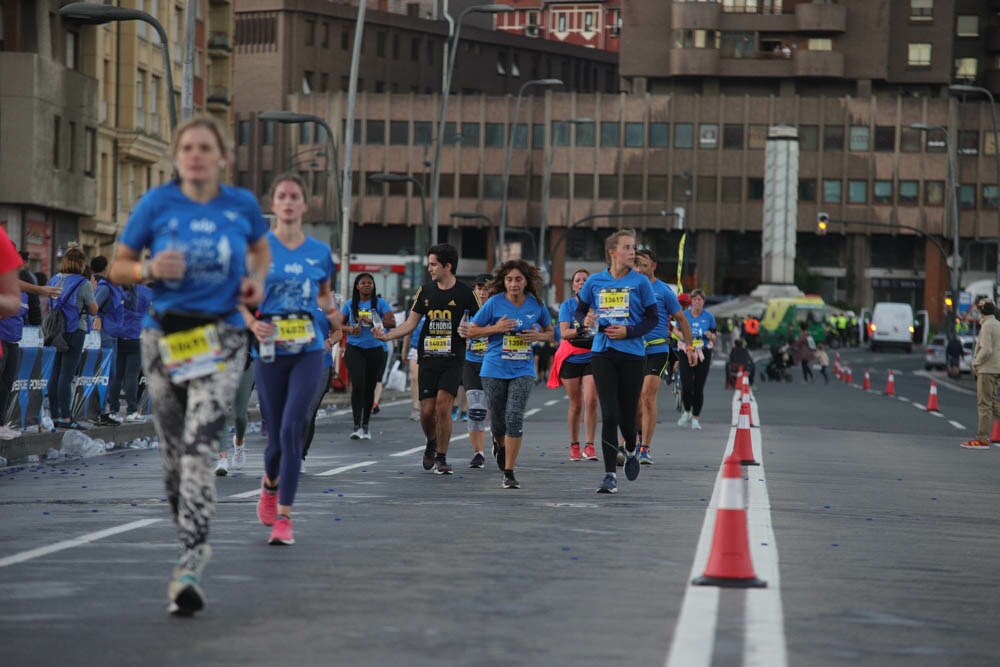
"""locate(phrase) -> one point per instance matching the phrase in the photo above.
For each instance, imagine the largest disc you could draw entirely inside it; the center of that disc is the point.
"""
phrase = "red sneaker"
(282, 531)
(267, 505)
(976, 444)
(590, 452)
(574, 453)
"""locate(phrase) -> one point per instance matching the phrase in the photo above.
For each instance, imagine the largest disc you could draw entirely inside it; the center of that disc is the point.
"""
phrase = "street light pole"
(90, 14)
(960, 88)
(445, 92)
(510, 149)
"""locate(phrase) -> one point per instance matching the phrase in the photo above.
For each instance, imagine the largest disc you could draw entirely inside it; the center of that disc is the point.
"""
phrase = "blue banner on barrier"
(91, 385)
(31, 386)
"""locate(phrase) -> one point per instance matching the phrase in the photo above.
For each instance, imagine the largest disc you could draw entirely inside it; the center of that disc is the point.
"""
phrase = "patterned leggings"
(189, 419)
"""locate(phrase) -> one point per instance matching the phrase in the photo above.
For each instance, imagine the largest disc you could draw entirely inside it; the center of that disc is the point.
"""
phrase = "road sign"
(964, 302)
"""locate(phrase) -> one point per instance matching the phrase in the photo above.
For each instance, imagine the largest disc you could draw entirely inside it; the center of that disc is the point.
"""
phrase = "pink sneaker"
(574, 452)
(590, 452)
(282, 531)
(267, 505)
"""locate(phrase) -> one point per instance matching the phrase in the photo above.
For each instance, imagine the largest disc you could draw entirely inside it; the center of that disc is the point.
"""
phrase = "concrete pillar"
(781, 180)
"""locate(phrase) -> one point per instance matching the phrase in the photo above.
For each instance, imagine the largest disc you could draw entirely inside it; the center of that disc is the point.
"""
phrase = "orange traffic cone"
(837, 368)
(745, 385)
(742, 444)
(890, 385)
(932, 399)
(729, 563)
(745, 400)
(995, 433)
(868, 381)
(848, 375)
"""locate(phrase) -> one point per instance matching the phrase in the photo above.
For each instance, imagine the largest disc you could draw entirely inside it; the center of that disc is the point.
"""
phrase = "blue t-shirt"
(292, 285)
(566, 311)
(415, 335)
(699, 325)
(12, 326)
(508, 356)
(620, 301)
(666, 305)
(366, 339)
(214, 238)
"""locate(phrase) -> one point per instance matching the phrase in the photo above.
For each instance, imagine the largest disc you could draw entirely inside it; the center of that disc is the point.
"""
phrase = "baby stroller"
(776, 369)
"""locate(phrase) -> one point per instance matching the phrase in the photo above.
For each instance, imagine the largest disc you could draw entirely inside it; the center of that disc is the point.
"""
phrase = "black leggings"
(693, 383)
(619, 382)
(363, 366)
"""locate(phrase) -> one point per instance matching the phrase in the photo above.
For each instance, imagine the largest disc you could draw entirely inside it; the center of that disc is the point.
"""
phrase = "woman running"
(288, 373)
(365, 354)
(203, 237)
(513, 318)
(573, 369)
(698, 360)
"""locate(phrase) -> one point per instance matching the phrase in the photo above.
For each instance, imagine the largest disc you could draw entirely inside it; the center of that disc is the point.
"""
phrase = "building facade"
(596, 24)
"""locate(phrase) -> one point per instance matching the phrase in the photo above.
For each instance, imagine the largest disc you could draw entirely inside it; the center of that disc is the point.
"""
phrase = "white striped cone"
(742, 444)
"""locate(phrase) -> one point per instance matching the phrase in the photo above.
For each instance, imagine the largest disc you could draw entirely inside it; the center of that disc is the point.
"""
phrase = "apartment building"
(595, 24)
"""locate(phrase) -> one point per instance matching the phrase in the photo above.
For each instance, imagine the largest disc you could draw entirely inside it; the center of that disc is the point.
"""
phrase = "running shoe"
(267, 504)
(644, 457)
(429, 456)
(464, 416)
(415, 415)
(609, 484)
(443, 467)
(621, 456)
(574, 452)
(365, 433)
(632, 465)
(375, 409)
(281, 533)
(222, 467)
(590, 452)
(239, 455)
(499, 454)
(509, 481)
(357, 434)
(685, 419)
(695, 425)
(184, 593)
(108, 419)
(7, 433)
(135, 417)
(478, 460)
(976, 444)
(454, 414)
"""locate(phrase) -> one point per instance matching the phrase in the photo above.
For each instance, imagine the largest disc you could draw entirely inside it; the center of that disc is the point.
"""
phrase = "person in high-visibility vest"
(752, 327)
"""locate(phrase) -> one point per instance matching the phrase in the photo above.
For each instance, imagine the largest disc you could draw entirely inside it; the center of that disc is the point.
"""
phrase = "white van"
(892, 325)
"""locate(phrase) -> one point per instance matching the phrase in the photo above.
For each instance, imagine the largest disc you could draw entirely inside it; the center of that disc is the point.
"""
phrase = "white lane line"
(919, 406)
(352, 466)
(75, 542)
(552, 402)
(532, 412)
(407, 452)
(937, 414)
(956, 425)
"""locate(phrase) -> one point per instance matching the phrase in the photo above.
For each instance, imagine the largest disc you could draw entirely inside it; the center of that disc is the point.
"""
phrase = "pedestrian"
(513, 319)
(203, 237)
(571, 366)
(30, 286)
(365, 313)
(804, 348)
(986, 369)
(109, 321)
(128, 354)
(739, 357)
(697, 362)
(475, 351)
(624, 310)
(440, 349)
(296, 287)
(823, 359)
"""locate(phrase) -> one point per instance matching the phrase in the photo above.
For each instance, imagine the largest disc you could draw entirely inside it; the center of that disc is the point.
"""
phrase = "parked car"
(935, 356)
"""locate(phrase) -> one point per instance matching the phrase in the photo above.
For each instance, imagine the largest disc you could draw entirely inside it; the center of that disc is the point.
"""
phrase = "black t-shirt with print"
(439, 339)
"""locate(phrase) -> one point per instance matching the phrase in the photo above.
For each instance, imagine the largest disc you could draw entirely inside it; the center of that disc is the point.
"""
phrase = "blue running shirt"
(566, 314)
(699, 325)
(666, 305)
(619, 301)
(366, 339)
(508, 356)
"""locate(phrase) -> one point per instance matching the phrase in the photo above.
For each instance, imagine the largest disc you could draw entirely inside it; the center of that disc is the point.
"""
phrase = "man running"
(657, 348)
(440, 350)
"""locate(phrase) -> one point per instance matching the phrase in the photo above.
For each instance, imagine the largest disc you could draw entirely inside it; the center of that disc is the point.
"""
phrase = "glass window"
(831, 191)
(732, 189)
(493, 186)
(833, 138)
(705, 189)
(857, 192)
(968, 142)
(305, 133)
(820, 44)
(967, 26)
(758, 137)
(910, 140)
(909, 193)
(921, 10)
(493, 135)
(470, 134)
(583, 186)
(609, 134)
(859, 138)
(937, 141)
(659, 135)
(708, 136)
(807, 189)
(632, 187)
(468, 186)
(559, 186)
(966, 68)
(267, 133)
(934, 193)
(967, 196)
(882, 192)
(989, 143)
(732, 137)
(375, 132)
(521, 135)
(683, 135)
(991, 196)
(560, 133)
(584, 134)
(885, 138)
(918, 54)
(755, 189)
(607, 186)
(634, 135)
(656, 188)
(808, 137)
(399, 132)
(243, 133)
(423, 133)
(538, 136)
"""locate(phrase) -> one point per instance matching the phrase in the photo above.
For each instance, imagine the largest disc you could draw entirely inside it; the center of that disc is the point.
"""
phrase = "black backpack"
(54, 322)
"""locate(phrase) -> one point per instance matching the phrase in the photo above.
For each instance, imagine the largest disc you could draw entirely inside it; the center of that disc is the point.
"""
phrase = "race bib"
(515, 348)
(479, 345)
(698, 343)
(294, 331)
(192, 354)
(438, 346)
(613, 302)
(367, 315)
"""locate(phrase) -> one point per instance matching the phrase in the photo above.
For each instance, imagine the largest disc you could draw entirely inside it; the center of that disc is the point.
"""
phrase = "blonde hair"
(612, 241)
(200, 120)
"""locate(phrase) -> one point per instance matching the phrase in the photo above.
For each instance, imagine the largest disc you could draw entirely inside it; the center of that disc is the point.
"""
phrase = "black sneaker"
(429, 457)
(509, 482)
(632, 465)
(478, 460)
(443, 467)
(609, 484)
(499, 454)
(108, 419)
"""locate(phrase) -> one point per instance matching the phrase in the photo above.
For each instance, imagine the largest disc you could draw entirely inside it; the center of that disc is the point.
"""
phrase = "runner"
(513, 318)
(441, 349)
(698, 361)
(201, 234)
(365, 355)
(625, 311)
(573, 368)
(657, 349)
(287, 374)
(471, 380)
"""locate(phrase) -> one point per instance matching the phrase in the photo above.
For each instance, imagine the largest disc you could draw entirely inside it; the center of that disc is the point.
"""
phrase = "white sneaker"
(135, 417)
(222, 467)
(357, 434)
(415, 415)
(695, 425)
(7, 433)
(365, 434)
(302, 467)
(685, 419)
(239, 455)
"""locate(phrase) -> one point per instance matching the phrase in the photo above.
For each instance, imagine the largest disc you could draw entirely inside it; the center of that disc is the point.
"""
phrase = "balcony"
(829, 64)
(218, 99)
(816, 17)
(768, 65)
(694, 62)
(219, 45)
(695, 15)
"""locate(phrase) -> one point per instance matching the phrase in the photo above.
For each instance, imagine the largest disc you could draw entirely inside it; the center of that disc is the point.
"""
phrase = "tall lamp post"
(492, 8)
(510, 149)
(955, 261)
(961, 88)
(86, 13)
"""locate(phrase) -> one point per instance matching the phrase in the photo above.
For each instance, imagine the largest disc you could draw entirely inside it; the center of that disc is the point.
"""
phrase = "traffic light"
(948, 301)
(822, 220)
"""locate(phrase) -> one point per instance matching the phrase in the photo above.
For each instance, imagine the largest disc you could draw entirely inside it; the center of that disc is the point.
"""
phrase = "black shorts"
(470, 376)
(570, 371)
(656, 363)
(434, 376)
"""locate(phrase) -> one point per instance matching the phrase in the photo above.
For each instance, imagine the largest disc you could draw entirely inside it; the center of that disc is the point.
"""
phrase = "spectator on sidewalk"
(986, 369)
(128, 360)
(109, 321)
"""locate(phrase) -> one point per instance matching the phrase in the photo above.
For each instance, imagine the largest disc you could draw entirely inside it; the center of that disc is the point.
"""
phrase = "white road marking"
(937, 414)
(552, 402)
(919, 406)
(75, 542)
(956, 425)
(532, 412)
(352, 466)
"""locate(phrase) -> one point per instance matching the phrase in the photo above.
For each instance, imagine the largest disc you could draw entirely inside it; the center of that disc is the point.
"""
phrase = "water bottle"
(595, 327)
(464, 322)
(376, 321)
(267, 348)
(173, 243)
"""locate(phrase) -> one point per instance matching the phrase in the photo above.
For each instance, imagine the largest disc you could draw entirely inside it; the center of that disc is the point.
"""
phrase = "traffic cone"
(729, 563)
(932, 399)
(745, 385)
(837, 368)
(890, 385)
(868, 381)
(848, 375)
(742, 444)
(995, 433)
(745, 400)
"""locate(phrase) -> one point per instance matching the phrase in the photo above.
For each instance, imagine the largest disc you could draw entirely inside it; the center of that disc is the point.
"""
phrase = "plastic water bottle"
(376, 321)
(463, 323)
(173, 243)
(595, 327)
(267, 346)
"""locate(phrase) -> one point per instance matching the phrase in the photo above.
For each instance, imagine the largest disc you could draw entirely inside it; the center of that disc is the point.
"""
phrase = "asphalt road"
(882, 550)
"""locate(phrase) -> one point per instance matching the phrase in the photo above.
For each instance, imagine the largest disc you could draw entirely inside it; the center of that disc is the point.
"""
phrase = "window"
(909, 193)
(326, 36)
(882, 192)
(708, 136)
(933, 193)
(308, 82)
(696, 39)
(918, 54)
(243, 133)
(967, 26)
(56, 127)
(345, 40)
(632, 187)
(859, 138)
(991, 196)
(808, 137)
(885, 139)
(967, 196)
(561, 22)
(732, 189)
(607, 186)
(634, 135)
(705, 189)
(820, 44)
(415, 49)
(520, 139)
(610, 135)
(90, 151)
(758, 137)
(732, 137)
(807, 189)
(968, 142)
(656, 188)
(833, 138)
(560, 133)
(755, 189)
(559, 186)
(380, 44)
(857, 192)
(468, 186)
(395, 46)
(921, 10)
(585, 134)
(831, 191)
(910, 140)
(154, 104)
(399, 133)
(683, 135)
(583, 186)
(470, 134)
(267, 135)
(140, 100)
(305, 133)
(966, 68)
(423, 133)
(493, 186)
(588, 22)
(375, 132)
(310, 30)
(937, 141)
(538, 136)
(494, 135)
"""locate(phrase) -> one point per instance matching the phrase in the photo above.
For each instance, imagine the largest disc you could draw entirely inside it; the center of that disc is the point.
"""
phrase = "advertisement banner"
(90, 387)
(30, 387)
